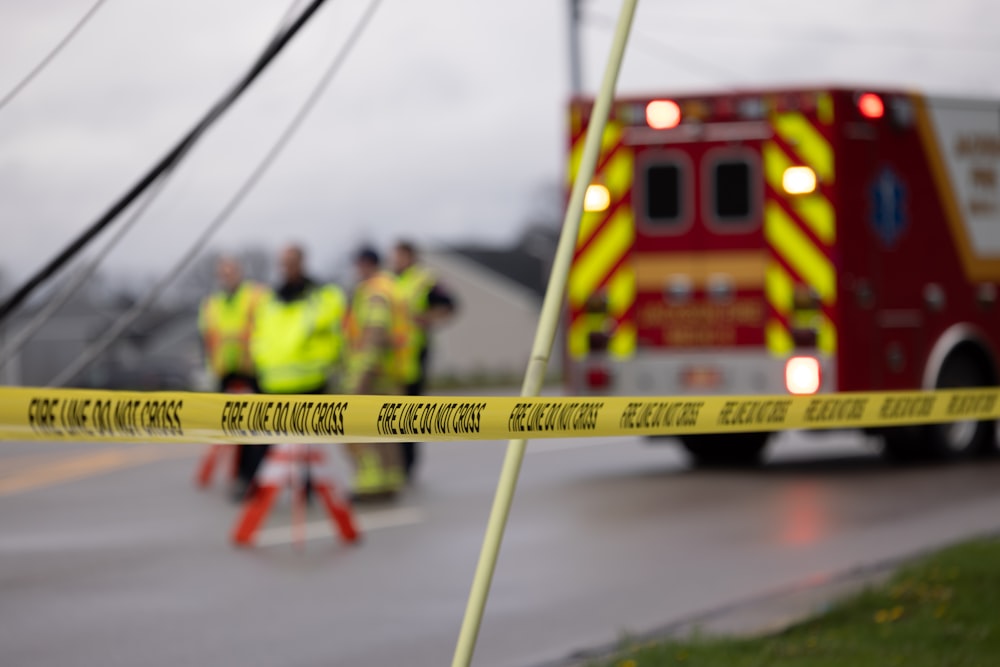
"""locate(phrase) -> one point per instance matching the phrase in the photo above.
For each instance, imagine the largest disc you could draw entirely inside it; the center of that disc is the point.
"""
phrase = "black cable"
(113, 332)
(52, 54)
(799, 31)
(680, 57)
(175, 155)
(79, 279)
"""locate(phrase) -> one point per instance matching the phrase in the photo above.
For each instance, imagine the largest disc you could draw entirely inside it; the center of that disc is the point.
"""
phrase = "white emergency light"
(802, 375)
(663, 114)
(596, 199)
(799, 180)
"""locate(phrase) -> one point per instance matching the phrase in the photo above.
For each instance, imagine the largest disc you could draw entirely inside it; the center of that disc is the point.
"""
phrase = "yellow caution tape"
(82, 414)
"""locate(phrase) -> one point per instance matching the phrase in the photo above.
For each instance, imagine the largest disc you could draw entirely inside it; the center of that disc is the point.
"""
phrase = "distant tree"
(198, 280)
(258, 263)
(546, 204)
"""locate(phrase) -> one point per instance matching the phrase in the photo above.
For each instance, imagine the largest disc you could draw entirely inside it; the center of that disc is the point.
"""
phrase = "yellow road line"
(10, 465)
(86, 465)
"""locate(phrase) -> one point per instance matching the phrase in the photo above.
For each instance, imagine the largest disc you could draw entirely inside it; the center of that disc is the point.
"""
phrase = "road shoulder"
(765, 614)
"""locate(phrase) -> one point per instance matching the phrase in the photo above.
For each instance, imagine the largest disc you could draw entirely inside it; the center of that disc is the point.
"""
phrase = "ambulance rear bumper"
(696, 373)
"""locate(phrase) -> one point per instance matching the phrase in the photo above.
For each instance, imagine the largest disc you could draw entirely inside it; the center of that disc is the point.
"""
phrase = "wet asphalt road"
(109, 556)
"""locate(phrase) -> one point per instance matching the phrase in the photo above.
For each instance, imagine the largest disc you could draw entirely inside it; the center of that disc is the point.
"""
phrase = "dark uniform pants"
(247, 456)
(410, 450)
(254, 455)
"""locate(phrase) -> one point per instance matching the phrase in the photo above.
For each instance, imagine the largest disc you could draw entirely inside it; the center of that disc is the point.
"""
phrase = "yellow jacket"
(378, 306)
(297, 343)
(226, 322)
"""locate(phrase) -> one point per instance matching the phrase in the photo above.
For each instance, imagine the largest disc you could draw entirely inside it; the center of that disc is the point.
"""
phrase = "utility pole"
(575, 64)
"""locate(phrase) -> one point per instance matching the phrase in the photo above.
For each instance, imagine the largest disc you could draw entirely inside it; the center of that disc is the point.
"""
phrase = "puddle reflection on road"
(804, 518)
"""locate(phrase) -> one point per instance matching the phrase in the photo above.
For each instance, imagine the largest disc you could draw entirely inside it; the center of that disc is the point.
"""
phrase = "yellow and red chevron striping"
(800, 231)
(600, 264)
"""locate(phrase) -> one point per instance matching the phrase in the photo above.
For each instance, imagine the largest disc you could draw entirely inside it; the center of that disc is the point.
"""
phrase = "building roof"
(526, 262)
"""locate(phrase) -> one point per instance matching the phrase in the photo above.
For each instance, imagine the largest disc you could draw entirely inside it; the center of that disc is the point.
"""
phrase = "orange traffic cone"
(286, 464)
(211, 459)
(206, 467)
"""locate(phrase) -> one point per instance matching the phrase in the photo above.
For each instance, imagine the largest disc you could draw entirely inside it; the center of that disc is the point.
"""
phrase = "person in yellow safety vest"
(297, 339)
(379, 339)
(225, 321)
(429, 305)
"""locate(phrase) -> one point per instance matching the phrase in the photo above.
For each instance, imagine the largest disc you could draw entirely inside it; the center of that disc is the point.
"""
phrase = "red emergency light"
(598, 378)
(870, 105)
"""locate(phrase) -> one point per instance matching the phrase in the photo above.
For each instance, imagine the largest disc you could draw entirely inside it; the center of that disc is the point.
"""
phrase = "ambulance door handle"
(986, 295)
(934, 297)
(720, 287)
(678, 288)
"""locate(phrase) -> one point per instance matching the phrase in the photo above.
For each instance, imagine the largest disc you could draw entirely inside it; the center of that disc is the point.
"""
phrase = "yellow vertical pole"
(544, 338)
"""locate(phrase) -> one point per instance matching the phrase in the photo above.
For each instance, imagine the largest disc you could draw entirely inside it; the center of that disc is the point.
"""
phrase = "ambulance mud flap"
(726, 449)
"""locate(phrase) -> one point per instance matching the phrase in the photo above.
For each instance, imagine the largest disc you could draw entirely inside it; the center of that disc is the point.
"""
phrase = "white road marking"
(367, 522)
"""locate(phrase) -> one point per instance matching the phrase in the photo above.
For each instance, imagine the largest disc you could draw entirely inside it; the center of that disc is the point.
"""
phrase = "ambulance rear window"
(663, 194)
(732, 198)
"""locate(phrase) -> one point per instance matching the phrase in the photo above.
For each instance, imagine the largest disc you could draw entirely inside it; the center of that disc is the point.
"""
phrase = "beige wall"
(495, 325)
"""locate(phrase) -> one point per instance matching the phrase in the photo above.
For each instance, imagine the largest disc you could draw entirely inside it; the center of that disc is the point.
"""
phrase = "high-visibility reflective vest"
(415, 284)
(377, 303)
(296, 344)
(225, 322)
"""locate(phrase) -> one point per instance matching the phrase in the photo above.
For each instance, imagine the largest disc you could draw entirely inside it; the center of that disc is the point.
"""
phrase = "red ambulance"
(799, 240)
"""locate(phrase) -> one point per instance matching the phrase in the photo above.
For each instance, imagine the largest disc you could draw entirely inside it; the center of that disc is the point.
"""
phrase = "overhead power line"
(644, 42)
(87, 270)
(764, 27)
(78, 279)
(37, 69)
(276, 45)
(122, 324)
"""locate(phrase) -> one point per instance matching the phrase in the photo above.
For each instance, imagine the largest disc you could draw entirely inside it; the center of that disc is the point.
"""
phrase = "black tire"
(903, 444)
(726, 450)
(951, 441)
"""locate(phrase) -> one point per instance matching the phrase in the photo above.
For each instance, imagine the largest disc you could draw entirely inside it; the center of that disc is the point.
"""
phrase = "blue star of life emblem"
(888, 201)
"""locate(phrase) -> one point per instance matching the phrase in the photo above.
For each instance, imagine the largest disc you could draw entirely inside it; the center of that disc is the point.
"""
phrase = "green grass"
(942, 611)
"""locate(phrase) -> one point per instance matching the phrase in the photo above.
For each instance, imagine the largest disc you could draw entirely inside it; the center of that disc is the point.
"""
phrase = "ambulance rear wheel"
(902, 444)
(966, 438)
(733, 450)
(954, 440)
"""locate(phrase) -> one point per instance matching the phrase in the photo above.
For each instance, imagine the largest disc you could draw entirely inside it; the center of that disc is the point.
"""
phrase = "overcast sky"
(444, 126)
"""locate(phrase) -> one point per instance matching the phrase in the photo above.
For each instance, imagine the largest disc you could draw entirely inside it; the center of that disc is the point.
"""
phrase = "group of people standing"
(307, 337)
